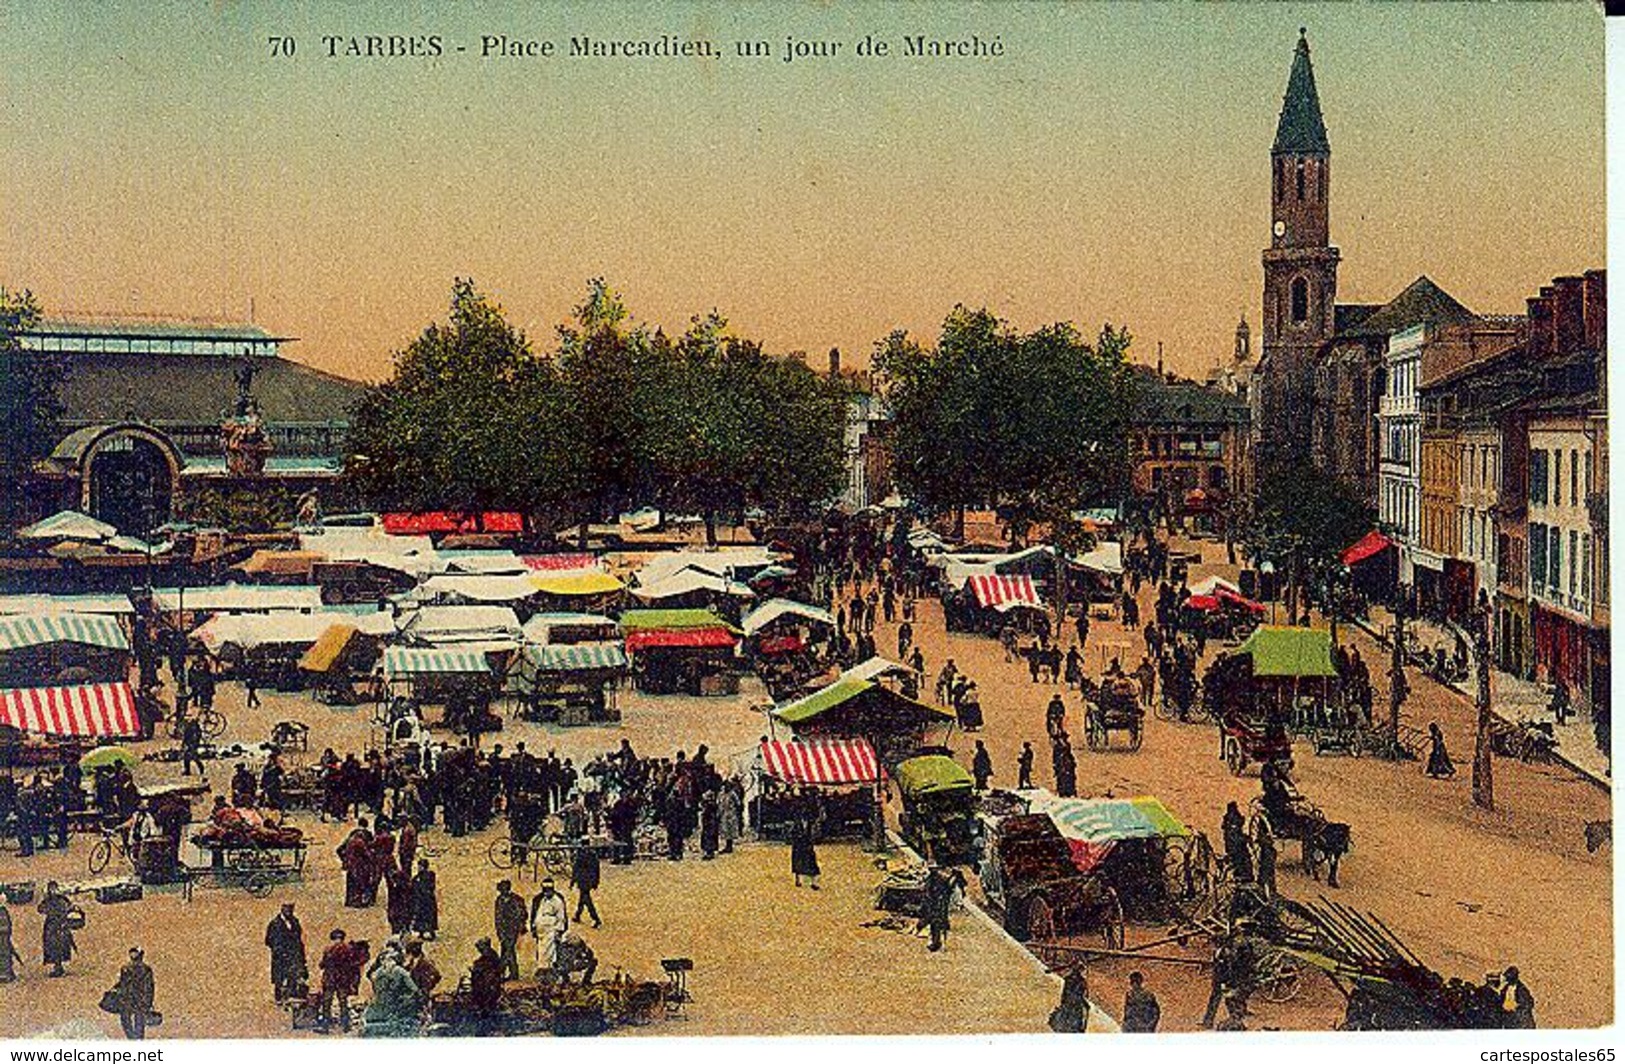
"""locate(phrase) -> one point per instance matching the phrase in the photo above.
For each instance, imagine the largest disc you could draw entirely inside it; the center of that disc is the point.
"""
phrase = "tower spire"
(1301, 130)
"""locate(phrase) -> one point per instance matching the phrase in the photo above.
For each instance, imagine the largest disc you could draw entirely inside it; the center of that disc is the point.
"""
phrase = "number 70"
(281, 46)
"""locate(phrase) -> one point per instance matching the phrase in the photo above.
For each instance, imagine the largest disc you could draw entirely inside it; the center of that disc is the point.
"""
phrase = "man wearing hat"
(510, 924)
(549, 920)
(135, 994)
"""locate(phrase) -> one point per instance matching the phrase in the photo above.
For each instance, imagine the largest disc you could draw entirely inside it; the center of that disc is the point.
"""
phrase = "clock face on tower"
(1280, 229)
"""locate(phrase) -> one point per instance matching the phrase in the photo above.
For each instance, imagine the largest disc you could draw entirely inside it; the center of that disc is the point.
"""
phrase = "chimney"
(1595, 309)
(1159, 358)
(834, 362)
(1568, 314)
(1540, 324)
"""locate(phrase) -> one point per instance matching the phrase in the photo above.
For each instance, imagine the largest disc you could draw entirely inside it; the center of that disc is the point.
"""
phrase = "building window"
(1300, 179)
(1574, 562)
(1554, 561)
(1537, 556)
(1585, 566)
(1537, 477)
(1574, 478)
(1300, 300)
(1557, 478)
(1588, 474)
(1280, 179)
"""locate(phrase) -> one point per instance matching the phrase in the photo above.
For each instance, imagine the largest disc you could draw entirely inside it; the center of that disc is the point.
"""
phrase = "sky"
(1111, 165)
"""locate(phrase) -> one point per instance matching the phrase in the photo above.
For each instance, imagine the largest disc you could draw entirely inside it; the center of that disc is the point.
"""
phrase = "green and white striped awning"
(576, 657)
(423, 661)
(38, 629)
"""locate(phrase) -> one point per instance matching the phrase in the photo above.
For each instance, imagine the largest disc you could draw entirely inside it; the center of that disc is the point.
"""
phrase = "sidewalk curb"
(1584, 773)
(1096, 1013)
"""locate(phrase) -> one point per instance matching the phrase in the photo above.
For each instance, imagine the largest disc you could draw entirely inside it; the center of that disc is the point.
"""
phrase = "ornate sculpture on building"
(242, 434)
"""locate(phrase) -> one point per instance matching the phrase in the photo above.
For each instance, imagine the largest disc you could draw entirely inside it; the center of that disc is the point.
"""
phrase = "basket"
(19, 893)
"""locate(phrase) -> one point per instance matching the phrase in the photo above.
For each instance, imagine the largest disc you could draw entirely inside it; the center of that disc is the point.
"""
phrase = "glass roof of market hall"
(134, 336)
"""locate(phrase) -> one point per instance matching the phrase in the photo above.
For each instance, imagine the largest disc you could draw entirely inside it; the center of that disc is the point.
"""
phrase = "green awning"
(825, 698)
(932, 774)
(39, 629)
(671, 620)
(575, 657)
(1295, 652)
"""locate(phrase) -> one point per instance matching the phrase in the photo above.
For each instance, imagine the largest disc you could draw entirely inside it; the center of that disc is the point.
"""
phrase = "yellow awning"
(582, 582)
(324, 653)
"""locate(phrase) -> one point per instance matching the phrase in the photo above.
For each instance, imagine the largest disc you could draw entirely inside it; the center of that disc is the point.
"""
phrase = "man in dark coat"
(1234, 830)
(511, 917)
(285, 938)
(191, 744)
(135, 995)
(398, 907)
(1024, 768)
(585, 872)
(939, 893)
(1141, 1010)
(57, 937)
(981, 766)
(425, 901)
(485, 985)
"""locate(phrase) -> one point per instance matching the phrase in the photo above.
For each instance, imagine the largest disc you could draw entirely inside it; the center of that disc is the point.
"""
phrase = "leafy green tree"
(465, 424)
(31, 384)
(1035, 425)
(1301, 521)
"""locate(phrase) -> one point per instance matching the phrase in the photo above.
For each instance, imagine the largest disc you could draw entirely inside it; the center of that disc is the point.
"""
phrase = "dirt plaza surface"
(1468, 891)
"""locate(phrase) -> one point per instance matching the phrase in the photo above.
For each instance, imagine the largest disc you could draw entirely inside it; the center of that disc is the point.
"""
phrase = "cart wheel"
(1281, 982)
(1040, 920)
(259, 885)
(1234, 759)
(1093, 733)
(501, 853)
(213, 723)
(557, 859)
(1113, 925)
(100, 854)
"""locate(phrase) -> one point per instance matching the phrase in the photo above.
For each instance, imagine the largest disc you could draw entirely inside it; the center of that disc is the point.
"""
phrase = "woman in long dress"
(8, 953)
(803, 855)
(1439, 764)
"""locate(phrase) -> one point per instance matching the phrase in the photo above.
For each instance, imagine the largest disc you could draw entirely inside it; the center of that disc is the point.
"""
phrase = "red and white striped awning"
(1003, 592)
(89, 709)
(831, 761)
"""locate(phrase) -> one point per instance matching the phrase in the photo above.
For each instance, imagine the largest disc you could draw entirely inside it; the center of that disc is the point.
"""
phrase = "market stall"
(459, 678)
(61, 646)
(571, 683)
(939, 810)
(681, 652)
(843, 772)
(984, 600)
(340, 656)
(895, 725)
(788, 641)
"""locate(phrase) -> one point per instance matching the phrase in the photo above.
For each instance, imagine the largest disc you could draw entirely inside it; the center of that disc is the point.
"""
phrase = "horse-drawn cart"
(1115, 708)
(254, 866)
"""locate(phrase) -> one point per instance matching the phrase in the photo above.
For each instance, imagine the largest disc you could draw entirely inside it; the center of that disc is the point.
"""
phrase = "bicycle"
(105, 847)
(211, 721)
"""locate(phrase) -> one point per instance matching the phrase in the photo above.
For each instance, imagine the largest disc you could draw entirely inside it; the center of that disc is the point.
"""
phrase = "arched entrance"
(127, 478)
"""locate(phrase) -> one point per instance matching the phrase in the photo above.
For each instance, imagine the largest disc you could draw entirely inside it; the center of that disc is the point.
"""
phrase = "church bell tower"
(1300, 265)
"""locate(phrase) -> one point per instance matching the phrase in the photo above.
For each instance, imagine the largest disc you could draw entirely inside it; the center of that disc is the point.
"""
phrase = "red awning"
(692, 638)
(1371, 544)
(830, 761)
(1230, 598)
(1002, 592)
(441, 521)
(1206, 603)
(781, 644)
(91, 709)
(554, 563)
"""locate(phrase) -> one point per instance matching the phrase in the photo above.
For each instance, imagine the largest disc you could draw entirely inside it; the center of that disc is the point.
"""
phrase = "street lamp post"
(1483, 760)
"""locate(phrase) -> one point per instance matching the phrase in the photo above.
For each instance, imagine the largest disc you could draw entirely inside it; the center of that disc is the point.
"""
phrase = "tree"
(31, 409)
(1301, 520)
(467, 423)
(1035, 425)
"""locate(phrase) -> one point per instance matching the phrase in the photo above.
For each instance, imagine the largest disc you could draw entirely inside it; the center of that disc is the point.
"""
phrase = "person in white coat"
(549, 920)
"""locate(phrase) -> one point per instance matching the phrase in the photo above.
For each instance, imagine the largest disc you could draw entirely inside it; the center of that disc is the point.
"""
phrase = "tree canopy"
(1306, 516)
(1034, 424)
(618, 416)
(30, 403)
